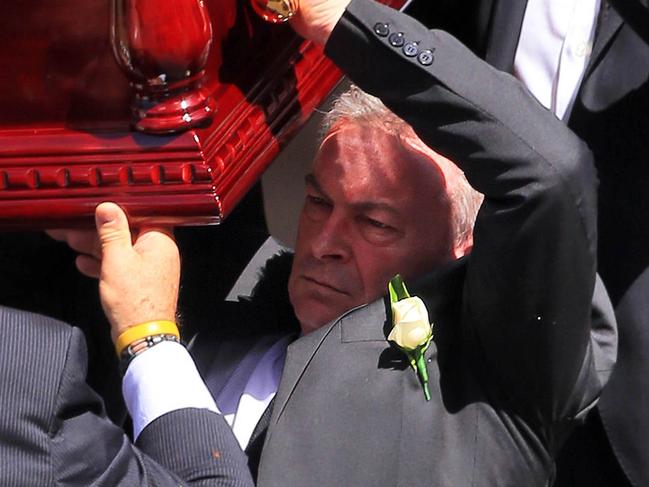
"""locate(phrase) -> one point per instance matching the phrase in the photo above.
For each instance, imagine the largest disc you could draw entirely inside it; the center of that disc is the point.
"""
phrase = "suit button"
(426, 57)
(410, 49)
(396, 39)
(381, 29)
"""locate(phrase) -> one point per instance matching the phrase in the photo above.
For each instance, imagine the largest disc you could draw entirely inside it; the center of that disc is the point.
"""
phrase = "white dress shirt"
(160, 380)
(554, 48)
(252, 386)
(164, 379)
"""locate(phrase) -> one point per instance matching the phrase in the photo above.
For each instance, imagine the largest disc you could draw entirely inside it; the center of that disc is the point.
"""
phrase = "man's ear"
(463, 248)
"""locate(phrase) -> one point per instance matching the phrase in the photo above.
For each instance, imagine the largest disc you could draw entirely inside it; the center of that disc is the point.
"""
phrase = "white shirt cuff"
(160, 380)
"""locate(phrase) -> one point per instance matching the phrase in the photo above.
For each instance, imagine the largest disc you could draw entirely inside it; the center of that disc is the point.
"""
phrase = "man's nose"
(331, 242)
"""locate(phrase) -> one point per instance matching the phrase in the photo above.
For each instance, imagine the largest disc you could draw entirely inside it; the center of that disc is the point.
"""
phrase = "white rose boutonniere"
(411, 331)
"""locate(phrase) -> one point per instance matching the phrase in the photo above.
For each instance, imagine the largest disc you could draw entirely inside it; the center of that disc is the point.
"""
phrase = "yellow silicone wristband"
(150, 328)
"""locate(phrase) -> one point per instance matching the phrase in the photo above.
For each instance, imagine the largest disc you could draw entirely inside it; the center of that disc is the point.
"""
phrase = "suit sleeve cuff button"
(396, 39)
(410, 49)
(426, 57)
(381, 29)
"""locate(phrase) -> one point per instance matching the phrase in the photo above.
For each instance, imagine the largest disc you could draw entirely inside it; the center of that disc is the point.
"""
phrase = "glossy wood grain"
(163, 49)
(67, 139)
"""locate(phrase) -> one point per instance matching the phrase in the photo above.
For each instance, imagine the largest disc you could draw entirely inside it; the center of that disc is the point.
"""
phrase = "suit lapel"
(365, 323)
(298, 355)
(609, 23)
(613, 15)
(504, 30)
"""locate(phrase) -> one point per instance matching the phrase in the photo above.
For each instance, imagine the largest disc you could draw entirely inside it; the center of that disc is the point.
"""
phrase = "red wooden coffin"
(171, 108)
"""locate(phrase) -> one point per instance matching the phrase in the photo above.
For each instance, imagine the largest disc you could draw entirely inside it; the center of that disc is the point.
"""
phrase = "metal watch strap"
(140, 346)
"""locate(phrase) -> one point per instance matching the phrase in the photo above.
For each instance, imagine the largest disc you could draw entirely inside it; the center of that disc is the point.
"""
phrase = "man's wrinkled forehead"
(389, 159)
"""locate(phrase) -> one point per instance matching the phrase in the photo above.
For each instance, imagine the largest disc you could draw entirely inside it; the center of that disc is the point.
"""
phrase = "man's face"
(373, 209)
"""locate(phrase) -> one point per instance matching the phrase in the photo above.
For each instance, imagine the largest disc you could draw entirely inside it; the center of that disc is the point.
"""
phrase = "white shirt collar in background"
(554, 48)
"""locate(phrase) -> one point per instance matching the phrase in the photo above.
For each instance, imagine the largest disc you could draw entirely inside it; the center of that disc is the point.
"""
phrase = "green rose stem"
(422, 371)
(398, 291)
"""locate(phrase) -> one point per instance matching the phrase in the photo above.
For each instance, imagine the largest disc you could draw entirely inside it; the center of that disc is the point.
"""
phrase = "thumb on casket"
(113, 231)
(139, 279)
(118, 265)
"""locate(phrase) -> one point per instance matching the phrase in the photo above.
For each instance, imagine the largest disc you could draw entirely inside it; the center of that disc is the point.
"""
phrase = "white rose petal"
(411, 325)
(409, 309)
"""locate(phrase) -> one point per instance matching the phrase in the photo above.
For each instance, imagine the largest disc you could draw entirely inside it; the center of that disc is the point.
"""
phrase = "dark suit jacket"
(513, 364)
(610, 115)
(265, 317)
(54, 431)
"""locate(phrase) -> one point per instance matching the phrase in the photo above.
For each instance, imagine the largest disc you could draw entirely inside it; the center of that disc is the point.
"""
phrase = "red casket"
(172, 109)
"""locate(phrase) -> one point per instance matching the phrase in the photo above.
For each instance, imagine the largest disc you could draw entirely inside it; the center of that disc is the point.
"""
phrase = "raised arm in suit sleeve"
(185, 447)
(527, 297)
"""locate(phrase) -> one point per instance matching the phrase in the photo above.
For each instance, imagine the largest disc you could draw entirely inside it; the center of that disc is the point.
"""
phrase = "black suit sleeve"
(184, 447)
(530, 278)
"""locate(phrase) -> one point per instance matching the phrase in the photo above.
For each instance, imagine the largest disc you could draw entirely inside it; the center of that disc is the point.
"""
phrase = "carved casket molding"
(67, 140)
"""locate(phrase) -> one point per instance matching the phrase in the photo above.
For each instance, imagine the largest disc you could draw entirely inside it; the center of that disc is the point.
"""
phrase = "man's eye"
(316, 200)
(377, 224)
(316, 208)
(377, 232)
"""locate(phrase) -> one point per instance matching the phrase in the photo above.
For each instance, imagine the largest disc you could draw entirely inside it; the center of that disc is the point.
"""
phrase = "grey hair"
(361, 108)
(465, 204)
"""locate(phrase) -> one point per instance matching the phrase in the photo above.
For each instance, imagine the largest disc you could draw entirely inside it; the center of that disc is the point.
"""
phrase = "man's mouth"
(324, 284)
